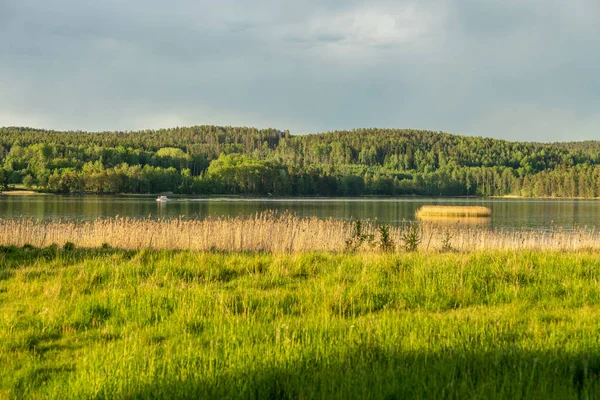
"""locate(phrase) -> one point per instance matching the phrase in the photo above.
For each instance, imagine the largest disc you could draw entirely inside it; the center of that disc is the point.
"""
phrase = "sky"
(513, 69)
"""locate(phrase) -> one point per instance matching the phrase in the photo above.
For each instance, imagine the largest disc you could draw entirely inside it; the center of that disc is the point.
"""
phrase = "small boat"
(162, 199)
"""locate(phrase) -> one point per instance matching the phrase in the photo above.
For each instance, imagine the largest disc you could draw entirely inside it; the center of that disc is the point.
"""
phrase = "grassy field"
(178, 324)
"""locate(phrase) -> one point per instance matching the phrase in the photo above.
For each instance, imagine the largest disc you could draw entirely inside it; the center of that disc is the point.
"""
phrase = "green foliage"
(209, 159)
(386, 243)
(447, 241)
(359, 238)
(28, 181)
(237, 173)
(412, 235)
(69, 246)
(3, 179)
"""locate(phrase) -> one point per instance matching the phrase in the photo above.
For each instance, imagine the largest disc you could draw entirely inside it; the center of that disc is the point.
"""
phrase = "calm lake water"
(506, 213)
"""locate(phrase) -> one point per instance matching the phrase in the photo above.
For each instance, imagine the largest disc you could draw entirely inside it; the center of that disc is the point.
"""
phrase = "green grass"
(167, 324)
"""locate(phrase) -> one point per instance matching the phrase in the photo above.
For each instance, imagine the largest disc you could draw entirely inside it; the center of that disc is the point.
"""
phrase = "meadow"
(114, 323)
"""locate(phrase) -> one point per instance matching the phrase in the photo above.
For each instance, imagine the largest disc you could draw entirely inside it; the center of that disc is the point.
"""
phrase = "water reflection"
(470, 222)
(506, 213)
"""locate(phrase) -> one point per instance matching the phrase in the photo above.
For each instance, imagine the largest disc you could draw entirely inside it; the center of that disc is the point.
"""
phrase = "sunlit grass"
(178, 324)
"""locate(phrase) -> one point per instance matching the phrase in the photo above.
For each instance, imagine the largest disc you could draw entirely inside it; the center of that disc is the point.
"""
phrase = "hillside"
(233, 160)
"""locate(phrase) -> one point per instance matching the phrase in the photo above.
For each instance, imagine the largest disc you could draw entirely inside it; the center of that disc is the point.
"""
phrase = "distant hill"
(240, 160)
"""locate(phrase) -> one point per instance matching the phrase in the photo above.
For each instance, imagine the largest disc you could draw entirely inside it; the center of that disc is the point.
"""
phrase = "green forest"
(231, 160)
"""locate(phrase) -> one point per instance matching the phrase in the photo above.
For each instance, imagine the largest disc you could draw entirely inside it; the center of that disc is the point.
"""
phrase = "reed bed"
(285, 233)
(453, 211)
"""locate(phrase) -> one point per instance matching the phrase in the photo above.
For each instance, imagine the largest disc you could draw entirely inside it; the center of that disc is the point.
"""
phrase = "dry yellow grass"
(453, 211)
(276, 233)
(19, 193)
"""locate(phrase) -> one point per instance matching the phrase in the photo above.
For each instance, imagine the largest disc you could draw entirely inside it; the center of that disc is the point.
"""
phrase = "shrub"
(446, 241)
(358, 238)
(386, 244)
(412, 236)
(50, 251)
(69, 246)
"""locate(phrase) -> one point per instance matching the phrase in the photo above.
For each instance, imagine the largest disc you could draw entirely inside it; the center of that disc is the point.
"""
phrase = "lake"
(506, 213)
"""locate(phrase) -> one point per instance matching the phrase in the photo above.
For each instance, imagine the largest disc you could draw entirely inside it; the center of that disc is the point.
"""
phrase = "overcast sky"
(512, 69)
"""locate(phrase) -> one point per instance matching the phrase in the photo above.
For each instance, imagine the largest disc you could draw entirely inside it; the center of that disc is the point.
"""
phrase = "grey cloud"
(460, 66)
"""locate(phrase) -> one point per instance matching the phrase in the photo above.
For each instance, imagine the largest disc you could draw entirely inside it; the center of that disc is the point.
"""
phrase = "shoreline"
(19, 192)
(515, 197)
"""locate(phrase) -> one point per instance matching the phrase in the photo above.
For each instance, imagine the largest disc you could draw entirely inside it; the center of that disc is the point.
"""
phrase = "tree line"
(232, 160)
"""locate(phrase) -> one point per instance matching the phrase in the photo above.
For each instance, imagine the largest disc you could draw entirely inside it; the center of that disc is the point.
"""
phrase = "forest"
(247, 161)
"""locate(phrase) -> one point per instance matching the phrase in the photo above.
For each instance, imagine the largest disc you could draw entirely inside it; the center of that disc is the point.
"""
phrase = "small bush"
(412, 236)
(51, 251)
(386, 244)
(106, 246)
(358, 238)
(69, 246)
(446, 241)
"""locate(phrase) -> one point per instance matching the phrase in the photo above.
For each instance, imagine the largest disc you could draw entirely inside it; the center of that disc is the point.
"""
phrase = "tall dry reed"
(278, 233)
(453, 211)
